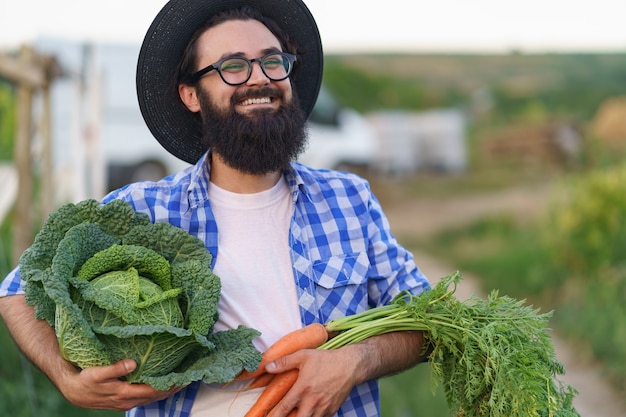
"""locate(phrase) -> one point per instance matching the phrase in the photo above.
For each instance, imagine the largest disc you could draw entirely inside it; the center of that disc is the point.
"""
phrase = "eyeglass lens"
(238, 70)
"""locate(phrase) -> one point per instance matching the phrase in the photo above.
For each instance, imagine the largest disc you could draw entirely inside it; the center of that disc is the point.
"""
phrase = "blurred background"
(493, 134)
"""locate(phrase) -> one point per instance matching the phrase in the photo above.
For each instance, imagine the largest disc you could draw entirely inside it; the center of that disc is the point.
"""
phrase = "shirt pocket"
(341, 285)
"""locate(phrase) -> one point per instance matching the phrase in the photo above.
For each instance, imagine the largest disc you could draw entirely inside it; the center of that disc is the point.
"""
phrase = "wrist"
(63, 377)
(386, 354)
(363, 361)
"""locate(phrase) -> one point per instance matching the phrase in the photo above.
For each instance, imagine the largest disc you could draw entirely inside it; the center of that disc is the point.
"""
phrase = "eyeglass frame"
(195, 77)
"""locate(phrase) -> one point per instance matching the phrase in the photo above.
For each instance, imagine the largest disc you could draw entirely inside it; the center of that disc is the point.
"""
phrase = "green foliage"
(116, 286)
(588, 231)
(595, 319)
(586, 235)
(521, 87)
(410, 394)
(513, 259)
(7, 121)
(493, 357)
(26, 392)
(365, 92)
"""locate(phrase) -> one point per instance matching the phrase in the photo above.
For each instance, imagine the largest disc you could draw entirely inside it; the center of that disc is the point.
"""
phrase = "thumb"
(280, 365)
(118, 369)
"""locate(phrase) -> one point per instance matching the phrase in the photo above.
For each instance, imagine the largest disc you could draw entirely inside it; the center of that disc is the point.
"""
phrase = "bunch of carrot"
(483, 351)
(277, 385)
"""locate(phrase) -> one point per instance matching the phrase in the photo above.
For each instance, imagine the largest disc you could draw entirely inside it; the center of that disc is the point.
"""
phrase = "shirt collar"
(295, 181)
(199, 181)
(201, 173)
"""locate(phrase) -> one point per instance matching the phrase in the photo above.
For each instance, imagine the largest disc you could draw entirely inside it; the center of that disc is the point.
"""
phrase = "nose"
(257, 76)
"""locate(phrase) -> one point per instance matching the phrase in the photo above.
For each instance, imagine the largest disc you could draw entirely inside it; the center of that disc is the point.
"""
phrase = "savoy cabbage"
(114, 285)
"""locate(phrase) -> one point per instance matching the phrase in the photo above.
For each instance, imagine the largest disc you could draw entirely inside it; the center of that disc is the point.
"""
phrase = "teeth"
(264, 100)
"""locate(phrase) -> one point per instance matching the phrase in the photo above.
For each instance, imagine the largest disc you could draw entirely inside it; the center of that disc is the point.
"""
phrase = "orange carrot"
(308, 337)
(261, 381)
(273, 393)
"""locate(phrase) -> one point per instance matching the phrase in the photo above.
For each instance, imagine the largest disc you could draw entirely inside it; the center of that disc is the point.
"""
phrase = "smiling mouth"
(257, 100)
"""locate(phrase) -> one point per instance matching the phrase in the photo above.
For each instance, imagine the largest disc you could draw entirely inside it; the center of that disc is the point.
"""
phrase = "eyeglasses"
(236, 70)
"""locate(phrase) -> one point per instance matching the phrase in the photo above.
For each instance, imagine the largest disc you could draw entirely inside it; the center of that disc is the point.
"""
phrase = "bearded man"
(227, 85)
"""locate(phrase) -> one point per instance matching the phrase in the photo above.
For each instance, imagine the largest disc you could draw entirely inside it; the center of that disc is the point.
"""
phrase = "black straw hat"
(174, 126)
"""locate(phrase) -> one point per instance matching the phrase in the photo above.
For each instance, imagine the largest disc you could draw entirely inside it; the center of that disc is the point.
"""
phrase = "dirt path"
(596, 397)
(423, 217)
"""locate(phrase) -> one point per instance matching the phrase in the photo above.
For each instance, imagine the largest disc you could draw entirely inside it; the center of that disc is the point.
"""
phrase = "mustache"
(266, 91)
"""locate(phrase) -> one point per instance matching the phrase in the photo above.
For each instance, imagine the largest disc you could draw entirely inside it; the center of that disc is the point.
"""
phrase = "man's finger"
(114, 371)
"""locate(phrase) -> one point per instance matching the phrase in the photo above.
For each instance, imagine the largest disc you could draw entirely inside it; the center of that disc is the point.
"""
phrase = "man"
(291, 245)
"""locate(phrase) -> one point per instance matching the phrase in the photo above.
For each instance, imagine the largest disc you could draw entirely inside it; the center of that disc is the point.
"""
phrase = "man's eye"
(234, 66)
(273, 63)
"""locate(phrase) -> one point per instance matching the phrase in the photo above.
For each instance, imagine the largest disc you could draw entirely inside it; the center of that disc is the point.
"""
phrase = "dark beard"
(259, 143)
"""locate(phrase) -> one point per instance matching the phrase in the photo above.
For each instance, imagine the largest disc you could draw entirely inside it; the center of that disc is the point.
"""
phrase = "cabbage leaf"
(114, 286)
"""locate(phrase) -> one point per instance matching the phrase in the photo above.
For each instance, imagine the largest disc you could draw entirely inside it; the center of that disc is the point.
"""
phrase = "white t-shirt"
(258, 288)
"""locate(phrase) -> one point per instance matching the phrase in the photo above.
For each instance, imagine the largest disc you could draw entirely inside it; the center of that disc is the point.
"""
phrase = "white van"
(339, 138)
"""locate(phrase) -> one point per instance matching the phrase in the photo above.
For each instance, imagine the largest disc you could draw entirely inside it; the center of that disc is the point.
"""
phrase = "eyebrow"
(242, 54)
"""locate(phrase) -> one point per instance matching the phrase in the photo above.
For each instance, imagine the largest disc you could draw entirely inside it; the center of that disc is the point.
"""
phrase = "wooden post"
(30, 73)
(23, 226)
(47, 171)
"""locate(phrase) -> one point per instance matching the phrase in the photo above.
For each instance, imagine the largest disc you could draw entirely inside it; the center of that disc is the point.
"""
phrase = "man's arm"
(96, 387)
(391, 353)
(326, 377)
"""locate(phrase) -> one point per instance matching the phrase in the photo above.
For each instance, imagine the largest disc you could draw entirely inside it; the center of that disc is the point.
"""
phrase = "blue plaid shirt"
(345, 259)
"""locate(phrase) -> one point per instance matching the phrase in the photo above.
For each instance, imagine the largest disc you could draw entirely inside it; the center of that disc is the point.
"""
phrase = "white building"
(429, 140)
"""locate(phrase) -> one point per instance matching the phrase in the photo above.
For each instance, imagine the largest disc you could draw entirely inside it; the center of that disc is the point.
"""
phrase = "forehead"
(247, 37)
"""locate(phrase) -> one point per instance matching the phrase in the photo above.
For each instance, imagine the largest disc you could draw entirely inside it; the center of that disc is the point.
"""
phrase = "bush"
(587, 232)
(7, 121)
(586, 237)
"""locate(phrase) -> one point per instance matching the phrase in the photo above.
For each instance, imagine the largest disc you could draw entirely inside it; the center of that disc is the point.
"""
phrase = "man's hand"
(324, 381)
(94, 387)
(99, 387)
(326, 377)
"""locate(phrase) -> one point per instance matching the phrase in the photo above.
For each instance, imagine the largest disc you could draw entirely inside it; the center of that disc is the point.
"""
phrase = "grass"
(410, 394)
(26, 392)
(505, 255)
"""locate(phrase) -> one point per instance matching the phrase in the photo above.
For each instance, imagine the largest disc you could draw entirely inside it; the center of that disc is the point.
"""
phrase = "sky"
(358, 25)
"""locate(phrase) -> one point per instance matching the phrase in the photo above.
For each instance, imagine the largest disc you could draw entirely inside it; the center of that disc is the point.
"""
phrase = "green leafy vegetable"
(115, 286)
(494, 357)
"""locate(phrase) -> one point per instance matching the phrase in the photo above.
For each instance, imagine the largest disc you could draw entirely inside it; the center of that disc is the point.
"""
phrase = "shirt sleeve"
(392, 266)
(12, 284)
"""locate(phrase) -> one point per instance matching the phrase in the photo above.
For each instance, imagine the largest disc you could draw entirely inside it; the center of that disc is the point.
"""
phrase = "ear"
(188, 95)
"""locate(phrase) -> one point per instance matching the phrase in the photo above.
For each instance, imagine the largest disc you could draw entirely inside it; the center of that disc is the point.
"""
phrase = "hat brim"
(174, 126)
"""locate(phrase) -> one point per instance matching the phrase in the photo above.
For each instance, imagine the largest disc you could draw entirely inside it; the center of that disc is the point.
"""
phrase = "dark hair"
(187, 65)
